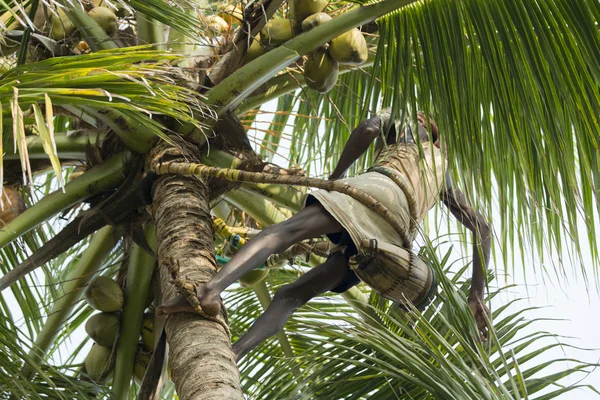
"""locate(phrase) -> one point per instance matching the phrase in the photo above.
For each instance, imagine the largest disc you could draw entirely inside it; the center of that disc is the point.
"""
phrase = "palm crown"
(512, 85)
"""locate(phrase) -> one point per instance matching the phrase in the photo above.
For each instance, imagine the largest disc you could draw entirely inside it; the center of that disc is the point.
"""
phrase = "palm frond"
(510, 84)
(138, 82)
(410, 355)
(513, 87)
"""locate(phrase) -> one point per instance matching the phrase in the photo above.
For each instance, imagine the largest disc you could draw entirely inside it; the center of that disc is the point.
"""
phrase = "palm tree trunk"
(202, 364)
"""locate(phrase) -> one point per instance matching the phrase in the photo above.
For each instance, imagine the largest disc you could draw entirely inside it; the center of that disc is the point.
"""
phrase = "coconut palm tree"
(94, 93)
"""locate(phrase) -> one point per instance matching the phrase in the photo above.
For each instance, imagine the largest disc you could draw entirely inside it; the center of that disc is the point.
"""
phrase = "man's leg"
(289, 298)
(310, 222)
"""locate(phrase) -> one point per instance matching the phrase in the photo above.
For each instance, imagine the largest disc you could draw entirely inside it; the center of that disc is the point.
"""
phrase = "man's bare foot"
(210, 300)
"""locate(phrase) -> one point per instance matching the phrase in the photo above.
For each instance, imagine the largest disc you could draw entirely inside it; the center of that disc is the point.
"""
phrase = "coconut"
(98, 363)
(301, 9)
(278, 31)
(40, 18)
(142, 360)
(349, 48)
(255, 50)
(12, 205)
(232, 14)
(148, 331)
(60, 26)
(216, 25)
(253, 277)
(106, 18)
(320, 71)
(314, 21)
(104, 294)
(103, 328)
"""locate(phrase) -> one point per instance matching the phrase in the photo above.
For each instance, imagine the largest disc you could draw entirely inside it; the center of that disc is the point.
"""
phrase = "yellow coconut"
(253, 277)
(104, 294)
(320, 71)
(314, 21)
(232, 14)
(301, 9)
(98, 363)
(278, 31)
(12, 205)
(106, 18)
(255, 50)
(349, 48)
(103, 328)
(60, 26)
(142, 360)
(216, 26)
(148, 331)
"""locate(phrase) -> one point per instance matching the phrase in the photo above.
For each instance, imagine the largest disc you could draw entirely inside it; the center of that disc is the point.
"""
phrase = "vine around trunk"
(235, 175)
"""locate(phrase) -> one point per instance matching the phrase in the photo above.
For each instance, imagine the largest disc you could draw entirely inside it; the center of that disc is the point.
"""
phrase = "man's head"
(406, 130)
(423, 127)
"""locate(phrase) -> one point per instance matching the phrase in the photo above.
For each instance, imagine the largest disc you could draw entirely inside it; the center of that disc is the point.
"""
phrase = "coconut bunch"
(224, 21)
(55, 24)
(321, 67)
(105, 295)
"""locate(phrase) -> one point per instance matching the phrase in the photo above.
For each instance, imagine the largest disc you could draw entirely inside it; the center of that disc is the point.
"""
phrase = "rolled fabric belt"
(395, 273)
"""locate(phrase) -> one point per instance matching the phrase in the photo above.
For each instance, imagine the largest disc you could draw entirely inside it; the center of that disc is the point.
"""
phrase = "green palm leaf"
(410, 355)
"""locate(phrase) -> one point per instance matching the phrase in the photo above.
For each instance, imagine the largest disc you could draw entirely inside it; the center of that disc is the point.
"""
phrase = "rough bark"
(202, 364)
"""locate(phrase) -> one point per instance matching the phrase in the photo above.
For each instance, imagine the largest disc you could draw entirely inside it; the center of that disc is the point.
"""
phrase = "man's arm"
(458, 205)
(359, 141)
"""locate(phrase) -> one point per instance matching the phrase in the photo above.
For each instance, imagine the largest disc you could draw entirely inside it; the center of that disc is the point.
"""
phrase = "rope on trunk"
(235, 175)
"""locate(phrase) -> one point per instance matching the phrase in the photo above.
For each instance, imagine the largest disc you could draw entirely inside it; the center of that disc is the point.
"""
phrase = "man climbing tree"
(407, 178)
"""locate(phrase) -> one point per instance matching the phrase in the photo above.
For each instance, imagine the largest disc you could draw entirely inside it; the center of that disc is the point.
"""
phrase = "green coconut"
(103, 328)
(315, 20)
(104, 294)
(349, 48)
(106, 18)
(148, 331)
(301, 9)
(98, 363)
(60, 26)
(255, 50)
(253, 277)
(142, 360)
(278, 31)
(320, 71)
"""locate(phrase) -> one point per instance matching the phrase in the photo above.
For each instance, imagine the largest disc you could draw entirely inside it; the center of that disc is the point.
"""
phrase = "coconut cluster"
(54, 23)
(321, 67)
(105, 295)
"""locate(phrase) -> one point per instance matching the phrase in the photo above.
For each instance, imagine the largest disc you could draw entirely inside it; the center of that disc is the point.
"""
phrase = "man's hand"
(458, 205)
(481, 314)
